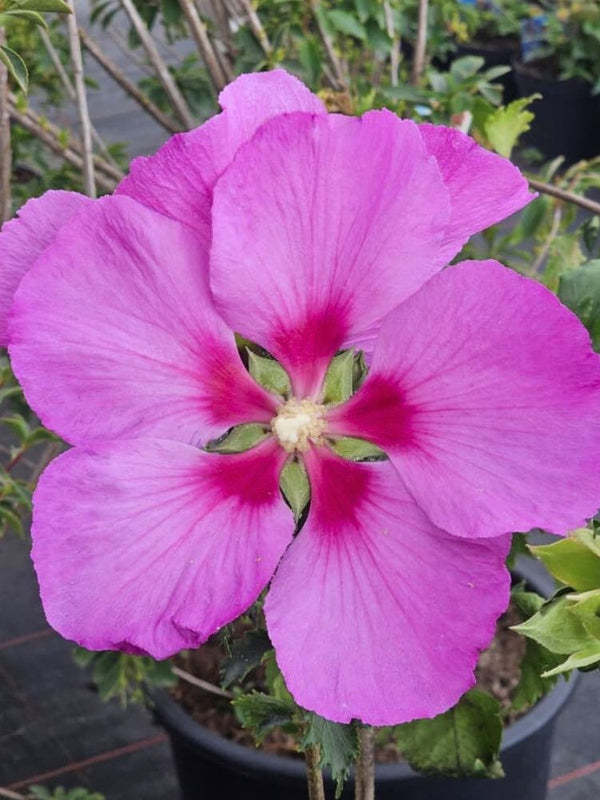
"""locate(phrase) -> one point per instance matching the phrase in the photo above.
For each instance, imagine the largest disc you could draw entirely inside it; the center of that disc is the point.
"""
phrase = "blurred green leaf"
(579, 289)
(338, 746)
(16, 66)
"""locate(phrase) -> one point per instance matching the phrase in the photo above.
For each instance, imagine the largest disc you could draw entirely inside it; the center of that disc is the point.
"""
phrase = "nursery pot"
(210, 766)
(567, 118)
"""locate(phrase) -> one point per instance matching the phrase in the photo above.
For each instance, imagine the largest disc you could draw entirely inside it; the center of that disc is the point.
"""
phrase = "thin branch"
(219, 8)
(314, 776)
(257, 28)
(204, 44)
(563, 194)
(74, 143)
(162, 71)
(29, 123)
(70, 90)
(365, 764)
(89, 180)
(208, 687)
(338, 73)
(419, 59)
(395, 37)
(128, 86)
(554, 230)
(11, 795)
(5, 145)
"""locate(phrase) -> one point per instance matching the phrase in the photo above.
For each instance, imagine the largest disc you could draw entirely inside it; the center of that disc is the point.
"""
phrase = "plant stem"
(338, 73)
(5, 145)
(89, 174)
(419, 60)
(70, 90)
(564, 194)
(128, 86)
(395, 48)
(162, 71)
(365, 764)
(204, 44)
(314, 776)
(208, 687)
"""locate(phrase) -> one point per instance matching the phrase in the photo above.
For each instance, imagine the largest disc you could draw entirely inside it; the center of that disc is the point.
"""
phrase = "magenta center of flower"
(297, 423)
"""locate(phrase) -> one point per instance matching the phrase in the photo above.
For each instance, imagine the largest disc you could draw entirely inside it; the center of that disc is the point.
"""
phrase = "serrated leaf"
(555, 628)
(338, 746)
(275, 681)
(583, 658)
(238, 439)
(461, 742)
(506, 124)
(532, 686)
(16, 66)
(575, 561)
(246, 654)
(261, 713)
(339, 378)
(269, 373)
(58, 6)
(354, 449)
(346, 23)
(295, 486)
(579, 289)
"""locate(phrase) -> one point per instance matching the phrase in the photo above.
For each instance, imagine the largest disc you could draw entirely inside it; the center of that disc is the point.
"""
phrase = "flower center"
(297, 422)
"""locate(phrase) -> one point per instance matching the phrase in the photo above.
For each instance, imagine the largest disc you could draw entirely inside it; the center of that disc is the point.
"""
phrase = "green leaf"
(261, 713)
(464, 741)
(579, 289)
(59, 6)
(338, 746)
(565, 255)
(357, 449)
(345, 23)
(295, 487)
(269, 373)
(583, 658)
(586, 607)
(9, 518)
(532, 686)
(555, 628)
(309, 55)
(15, 65)
(466, 67)
(504, 125)
(575, 561)
(246, 654)
(18, 425)
(239, 439)
(339, 378)
(28, 16)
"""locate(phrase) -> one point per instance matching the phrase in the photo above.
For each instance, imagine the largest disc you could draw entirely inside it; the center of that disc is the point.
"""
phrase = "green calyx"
(239, 439)
(295, 487)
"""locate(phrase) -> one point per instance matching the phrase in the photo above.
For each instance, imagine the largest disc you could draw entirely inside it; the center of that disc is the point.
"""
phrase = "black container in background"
(210, 767)
(567, 118)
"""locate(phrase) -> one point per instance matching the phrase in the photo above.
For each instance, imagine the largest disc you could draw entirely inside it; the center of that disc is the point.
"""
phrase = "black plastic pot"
(210, 767)
(567, 118)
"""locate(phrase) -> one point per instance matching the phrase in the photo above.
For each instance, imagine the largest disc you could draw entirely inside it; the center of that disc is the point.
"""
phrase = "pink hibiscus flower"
(307, 233)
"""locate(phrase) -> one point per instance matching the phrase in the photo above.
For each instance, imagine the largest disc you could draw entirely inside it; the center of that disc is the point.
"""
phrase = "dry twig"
(89, 177)
(564, 194)
(128, 86)
(5, 145)
(162, 71)
(208, 687)
(419, 59)
(204, 44)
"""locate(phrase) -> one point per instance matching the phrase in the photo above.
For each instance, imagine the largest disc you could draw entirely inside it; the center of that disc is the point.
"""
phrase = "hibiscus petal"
(321, 226)
(484, 187)
(151, 546)
(25, 237)
(375, 613)
(485, 393)
(114, 333)
(177, 181)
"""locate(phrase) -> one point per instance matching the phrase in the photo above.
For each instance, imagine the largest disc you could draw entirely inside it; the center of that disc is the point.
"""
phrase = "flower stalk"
(365, 764)
(314, 776)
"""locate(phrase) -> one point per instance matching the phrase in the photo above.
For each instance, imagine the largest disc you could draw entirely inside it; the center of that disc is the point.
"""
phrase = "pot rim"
(249, 761)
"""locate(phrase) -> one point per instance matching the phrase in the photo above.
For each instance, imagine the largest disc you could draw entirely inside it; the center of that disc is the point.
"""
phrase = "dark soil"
(497, 672)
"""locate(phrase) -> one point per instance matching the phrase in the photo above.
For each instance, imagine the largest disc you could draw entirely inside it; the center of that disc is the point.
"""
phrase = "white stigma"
(296, 423)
